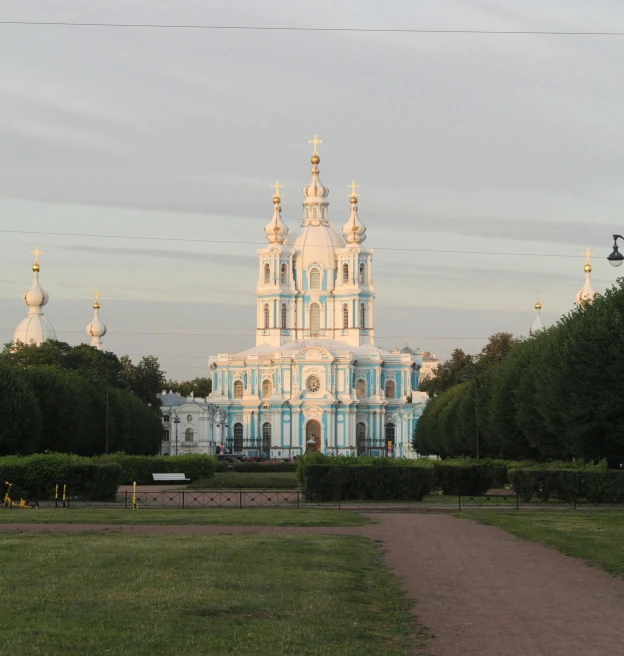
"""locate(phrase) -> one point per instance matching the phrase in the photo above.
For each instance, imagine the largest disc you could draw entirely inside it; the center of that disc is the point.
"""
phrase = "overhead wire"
(293, 28)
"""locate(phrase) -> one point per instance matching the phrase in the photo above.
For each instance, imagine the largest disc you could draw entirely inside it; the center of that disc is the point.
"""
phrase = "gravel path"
(479, 590)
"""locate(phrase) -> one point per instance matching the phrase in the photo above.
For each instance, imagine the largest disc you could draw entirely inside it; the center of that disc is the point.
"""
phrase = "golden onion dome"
(315, 159)
(36, 267)
(277, 200)
(587, 268)
(96, 306)
(353, 200)
(538, 306)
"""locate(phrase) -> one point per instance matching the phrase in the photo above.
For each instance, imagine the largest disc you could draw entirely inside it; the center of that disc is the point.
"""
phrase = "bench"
(170, 478)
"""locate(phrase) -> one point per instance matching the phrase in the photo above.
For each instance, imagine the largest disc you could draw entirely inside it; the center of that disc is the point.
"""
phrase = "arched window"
(345, 316)
(238, 437)
(315, 279)
(362, 315)
(188, 435)
(238, 389)
(267, 274)
(266, 316)
(315, 318)
(362, 273)
(345, 273)
(283, 316)
(266, 438)
(267, 388)
(390, 389)
(360, 388)
(360, 438)
(283, 273)
(390, 432)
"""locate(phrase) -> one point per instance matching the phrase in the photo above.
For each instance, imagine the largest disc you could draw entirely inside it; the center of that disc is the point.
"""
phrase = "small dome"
(276, 230)
(34, 329)
(96, 328)
(36, 296)
(537, 325)
(354, 230)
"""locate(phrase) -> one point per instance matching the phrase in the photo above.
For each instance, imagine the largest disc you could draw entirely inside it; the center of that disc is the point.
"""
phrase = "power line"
(272, 28)
(257, 243)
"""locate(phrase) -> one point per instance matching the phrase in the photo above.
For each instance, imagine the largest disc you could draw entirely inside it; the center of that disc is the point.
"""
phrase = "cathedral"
(315, 379)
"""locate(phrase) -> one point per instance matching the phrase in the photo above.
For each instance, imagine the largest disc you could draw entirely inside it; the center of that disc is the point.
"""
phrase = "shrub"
(568, 485)
(332, 482)
(264, 467)
(463, 479)
(140, 468)
(35, 476)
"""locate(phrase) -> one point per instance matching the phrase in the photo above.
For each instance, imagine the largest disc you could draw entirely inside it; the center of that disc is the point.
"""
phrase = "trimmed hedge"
(568, 485)
(329, 482)
(35, 477)
(465, 479)
(264, 467)
(140, 468)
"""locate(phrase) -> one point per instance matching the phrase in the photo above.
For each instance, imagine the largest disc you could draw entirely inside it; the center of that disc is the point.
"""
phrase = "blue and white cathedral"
(315, 379)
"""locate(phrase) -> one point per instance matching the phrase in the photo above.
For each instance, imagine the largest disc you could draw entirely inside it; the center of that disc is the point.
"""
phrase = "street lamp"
(176, 421)
(616, 258)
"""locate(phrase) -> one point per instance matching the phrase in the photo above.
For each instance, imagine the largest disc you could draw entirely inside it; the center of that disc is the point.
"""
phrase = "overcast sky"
(497, 143)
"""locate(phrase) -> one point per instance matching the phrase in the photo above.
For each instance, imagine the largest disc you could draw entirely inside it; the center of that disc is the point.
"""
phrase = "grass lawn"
(266, 595)
(597, 536)
(217, 516)
(248, 481)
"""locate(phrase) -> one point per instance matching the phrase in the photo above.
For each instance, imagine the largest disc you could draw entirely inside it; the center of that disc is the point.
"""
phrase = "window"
(238, 389)
(283, 316)
(315, 279)
(360, 438)
(390, 431)
(189, 418)
(267, 274)
(165, 436)
(266, 316)
(188, 435)
(360, 388)
(238, 437)
(345, 316)
(345, 273)
(362, 316)
(266, 438)
(267, 388)
(166, 419)
(315, 318)
(362, 274)
(283, 273)
(390, 389)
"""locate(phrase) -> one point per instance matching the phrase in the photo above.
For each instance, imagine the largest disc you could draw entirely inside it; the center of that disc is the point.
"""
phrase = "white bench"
(170, 478)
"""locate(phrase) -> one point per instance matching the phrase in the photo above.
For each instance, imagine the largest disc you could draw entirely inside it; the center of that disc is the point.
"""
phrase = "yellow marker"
(64, 491)
(56, 492)
(134, 501)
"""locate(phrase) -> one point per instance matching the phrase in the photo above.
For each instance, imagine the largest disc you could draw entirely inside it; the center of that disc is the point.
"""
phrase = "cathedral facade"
(315, 379)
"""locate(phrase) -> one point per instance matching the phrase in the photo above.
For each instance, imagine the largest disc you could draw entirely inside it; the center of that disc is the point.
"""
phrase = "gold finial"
(538, 305)
(587, 266)
(36, 253)
(96, 295)
(353, 187)
(315, 156)
(277, 186)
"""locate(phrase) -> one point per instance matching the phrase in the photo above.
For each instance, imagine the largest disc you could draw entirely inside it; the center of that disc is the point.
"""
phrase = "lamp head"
(616, 258)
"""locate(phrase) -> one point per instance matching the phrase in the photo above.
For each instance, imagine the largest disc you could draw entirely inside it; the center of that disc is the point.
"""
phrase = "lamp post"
(616, 258)
(176, 421)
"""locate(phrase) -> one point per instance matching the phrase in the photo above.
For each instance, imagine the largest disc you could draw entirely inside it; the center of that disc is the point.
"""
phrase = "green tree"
(145, 379)
(200, 387)
(20, 417)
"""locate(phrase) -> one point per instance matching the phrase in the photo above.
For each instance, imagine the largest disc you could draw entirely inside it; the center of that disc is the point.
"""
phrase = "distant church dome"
(537, 324)
(317, 239)
(96, 329)
(587, 292)
(354, 230)
(276, 230)
(35, 328)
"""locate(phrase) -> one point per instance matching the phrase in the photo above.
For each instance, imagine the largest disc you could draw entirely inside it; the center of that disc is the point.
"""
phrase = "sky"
(162, 144)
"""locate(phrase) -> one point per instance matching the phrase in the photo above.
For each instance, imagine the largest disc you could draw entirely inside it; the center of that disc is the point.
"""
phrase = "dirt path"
(479, 590)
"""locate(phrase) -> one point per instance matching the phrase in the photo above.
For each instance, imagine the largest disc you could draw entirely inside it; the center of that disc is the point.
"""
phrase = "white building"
(314, 377)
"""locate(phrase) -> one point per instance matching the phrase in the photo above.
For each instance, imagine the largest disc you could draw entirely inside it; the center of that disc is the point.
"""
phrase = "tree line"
(54, 397)
(555, 396)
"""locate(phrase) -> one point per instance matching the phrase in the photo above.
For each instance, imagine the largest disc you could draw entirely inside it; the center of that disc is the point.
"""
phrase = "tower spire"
(537, 324)
(96, 329)
(315, 205)
(354, 230)
(276, 230)
(587, 292)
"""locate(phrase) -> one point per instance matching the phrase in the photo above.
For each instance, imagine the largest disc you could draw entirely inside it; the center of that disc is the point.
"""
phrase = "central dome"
(316, 242)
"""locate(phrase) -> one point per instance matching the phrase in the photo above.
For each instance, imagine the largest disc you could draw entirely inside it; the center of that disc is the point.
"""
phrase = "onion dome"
(354, 230)
(407, 349)
(314, 204)
(35, 328)
(276, 230)
(96, 329)
(587, 292)
(537, 324)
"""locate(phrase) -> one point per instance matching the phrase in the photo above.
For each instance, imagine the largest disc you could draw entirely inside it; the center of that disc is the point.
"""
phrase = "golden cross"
(353, 187)
(587, 253)
(315, 141)
(36, 253)
(96, 294)
(277, 186)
